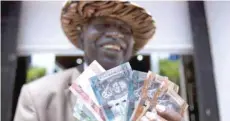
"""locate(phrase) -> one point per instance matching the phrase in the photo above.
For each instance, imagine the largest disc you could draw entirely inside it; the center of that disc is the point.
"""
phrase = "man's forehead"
(107, 20)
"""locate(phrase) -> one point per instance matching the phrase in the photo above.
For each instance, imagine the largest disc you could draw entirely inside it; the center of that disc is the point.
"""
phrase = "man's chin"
(108, 63)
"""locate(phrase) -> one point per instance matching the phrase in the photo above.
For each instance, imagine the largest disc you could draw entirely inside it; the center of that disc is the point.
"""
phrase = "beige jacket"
(48, 98)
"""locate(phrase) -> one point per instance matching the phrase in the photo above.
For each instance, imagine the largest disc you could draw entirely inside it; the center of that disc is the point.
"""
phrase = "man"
(110, 32)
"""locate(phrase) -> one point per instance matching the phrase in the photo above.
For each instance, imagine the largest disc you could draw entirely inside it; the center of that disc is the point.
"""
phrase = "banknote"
(167, 86)
(172, 86)
(111, 90)
(83, 80)
(156, 84)
(135, 87)
(81, 113)
(86, 106)
(164, 85)
(142, 104)
(138, 78)
(171, 100)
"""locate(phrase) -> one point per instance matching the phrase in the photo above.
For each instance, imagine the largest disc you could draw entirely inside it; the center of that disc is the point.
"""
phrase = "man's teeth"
(115, 47)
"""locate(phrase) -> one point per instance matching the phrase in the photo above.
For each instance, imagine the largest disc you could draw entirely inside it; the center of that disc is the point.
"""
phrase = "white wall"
(218, 15)
(40, 28)
(173, 27)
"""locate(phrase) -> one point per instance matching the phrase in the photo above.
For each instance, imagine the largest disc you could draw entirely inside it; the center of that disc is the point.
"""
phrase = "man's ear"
(80, 41)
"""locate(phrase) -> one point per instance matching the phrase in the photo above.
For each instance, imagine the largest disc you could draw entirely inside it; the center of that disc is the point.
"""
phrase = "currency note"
(83, 80)
(82, 113)
(172, 86)
(142, 104)
(135, 88)
(89, 109)
(156, 84)
(111, 90)
(159, 85)
(171, 100)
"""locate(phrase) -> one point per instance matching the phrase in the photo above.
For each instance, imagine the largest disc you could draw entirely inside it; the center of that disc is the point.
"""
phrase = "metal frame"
(207, 98)
(9, 24)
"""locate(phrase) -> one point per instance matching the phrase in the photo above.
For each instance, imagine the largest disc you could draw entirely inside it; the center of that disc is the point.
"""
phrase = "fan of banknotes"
(122, 94)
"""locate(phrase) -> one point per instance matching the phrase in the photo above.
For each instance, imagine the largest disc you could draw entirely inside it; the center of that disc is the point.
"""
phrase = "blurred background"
(191, 47)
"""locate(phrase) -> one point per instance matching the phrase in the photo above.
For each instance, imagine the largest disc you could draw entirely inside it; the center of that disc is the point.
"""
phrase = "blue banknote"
(135, 88)
(111, 90)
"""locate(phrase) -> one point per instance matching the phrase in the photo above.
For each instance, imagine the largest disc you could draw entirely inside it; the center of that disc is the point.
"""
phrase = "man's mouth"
(114, 47)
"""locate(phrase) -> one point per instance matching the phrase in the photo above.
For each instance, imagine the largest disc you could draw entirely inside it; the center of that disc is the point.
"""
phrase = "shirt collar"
(84, 65)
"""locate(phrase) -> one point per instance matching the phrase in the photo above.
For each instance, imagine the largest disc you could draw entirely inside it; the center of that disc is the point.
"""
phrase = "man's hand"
(165, 114)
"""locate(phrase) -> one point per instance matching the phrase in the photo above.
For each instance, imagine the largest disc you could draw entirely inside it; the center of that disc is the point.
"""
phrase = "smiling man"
(109, 41)
(110, 32)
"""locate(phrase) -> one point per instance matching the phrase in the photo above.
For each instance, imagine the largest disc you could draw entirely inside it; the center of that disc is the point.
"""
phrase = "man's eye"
(99, 26)
(125, 30)
(106, 25)
(102, 26)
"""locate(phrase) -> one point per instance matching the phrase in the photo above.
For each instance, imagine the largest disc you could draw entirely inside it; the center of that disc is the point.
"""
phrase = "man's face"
(107, 40)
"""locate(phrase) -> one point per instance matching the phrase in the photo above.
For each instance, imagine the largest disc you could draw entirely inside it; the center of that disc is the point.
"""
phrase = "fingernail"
(144, 118)
(151, 115)
(160, 108)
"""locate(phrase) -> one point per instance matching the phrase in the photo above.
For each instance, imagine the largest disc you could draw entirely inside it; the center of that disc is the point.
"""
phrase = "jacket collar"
(76, 72)
(71, 98)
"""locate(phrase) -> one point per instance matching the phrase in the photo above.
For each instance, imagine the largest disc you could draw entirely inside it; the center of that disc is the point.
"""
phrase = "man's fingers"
(162, 114)
(167, 114)
(144, 118)
(151, 116)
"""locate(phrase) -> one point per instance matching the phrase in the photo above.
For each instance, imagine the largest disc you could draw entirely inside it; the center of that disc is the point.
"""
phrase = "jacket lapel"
(70, 96)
